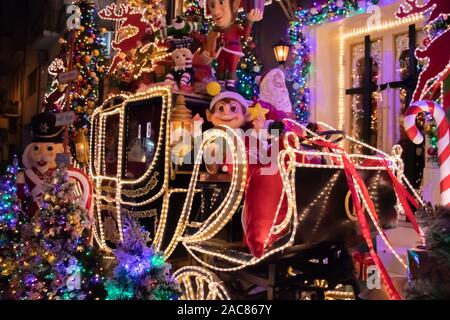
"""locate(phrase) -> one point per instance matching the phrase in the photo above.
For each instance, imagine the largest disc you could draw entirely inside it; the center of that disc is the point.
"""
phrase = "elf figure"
(264, 187)
(229, 109)
(39, 157)
(224, 41)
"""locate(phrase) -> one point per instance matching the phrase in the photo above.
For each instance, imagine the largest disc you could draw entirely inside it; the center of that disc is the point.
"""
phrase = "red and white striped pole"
(443, 135)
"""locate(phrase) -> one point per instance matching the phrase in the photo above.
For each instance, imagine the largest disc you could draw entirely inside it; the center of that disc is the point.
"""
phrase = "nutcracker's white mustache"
(41, 163)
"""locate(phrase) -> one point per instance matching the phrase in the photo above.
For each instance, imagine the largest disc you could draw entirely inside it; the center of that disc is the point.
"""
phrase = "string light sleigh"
(353, 197)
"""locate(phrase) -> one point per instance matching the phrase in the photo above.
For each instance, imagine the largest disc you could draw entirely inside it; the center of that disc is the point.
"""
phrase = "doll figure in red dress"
(224, 41)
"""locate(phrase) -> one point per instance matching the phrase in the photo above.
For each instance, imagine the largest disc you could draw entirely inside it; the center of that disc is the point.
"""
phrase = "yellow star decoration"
(257, 112)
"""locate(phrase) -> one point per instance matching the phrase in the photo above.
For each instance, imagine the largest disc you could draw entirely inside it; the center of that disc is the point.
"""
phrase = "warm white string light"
(343, 36)
(97, 167)
(216, 289)
(206, 230)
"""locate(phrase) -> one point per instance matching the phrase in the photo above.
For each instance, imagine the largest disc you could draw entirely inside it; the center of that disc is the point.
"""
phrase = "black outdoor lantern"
(281, 51)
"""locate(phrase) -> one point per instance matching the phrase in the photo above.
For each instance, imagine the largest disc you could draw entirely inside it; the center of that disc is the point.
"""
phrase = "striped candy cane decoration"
(443, 139)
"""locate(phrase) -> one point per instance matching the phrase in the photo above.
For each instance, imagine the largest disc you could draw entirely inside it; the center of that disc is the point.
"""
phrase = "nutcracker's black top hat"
(45, 129)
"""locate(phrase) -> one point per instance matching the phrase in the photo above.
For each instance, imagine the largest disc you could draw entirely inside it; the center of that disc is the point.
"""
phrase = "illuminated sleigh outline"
(209, 228)
(117, 106)
(220, 259)
(199, 282)
(120, 193)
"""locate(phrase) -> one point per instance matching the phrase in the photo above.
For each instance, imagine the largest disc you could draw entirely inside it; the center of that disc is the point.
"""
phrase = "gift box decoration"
(419, 263)
(248, 5)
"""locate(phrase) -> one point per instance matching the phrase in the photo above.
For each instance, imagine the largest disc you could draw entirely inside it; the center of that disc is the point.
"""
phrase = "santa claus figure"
(224, 41)
(39, 157)
(273, 90)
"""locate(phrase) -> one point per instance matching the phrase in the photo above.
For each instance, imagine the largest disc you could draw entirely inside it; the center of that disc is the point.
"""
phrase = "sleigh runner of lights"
(319, 214)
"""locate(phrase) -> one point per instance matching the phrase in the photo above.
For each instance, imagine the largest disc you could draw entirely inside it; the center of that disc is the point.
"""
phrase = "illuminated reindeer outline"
(130, 18)
(435, 7)
(438, 60)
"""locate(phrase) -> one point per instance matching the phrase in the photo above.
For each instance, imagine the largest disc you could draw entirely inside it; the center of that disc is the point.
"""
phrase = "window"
(358, 74)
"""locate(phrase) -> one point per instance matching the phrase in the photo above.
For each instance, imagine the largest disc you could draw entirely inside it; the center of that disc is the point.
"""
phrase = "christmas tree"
(433, 280)
(248, 69)
(192, 8)
(53, 259)
(249, 66)
(9, 205)
(11, 217)
(84, 49)
(141, 273)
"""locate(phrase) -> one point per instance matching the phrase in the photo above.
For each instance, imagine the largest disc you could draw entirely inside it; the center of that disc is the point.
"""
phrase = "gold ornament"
(51, 258)
(81, 141)
(7, 269)
(213, 88)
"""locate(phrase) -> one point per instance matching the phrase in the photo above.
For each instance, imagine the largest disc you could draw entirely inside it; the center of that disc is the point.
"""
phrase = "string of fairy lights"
(88, 54)
(330, 11)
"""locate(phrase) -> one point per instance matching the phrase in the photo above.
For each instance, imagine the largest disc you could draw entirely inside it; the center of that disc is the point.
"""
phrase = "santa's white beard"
(279, 98)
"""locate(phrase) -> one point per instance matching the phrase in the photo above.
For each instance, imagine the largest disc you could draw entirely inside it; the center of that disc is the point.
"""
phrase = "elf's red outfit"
(229, 49)
(263, 193)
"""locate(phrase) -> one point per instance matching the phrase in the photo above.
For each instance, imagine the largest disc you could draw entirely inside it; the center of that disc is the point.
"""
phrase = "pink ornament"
(431, 151)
